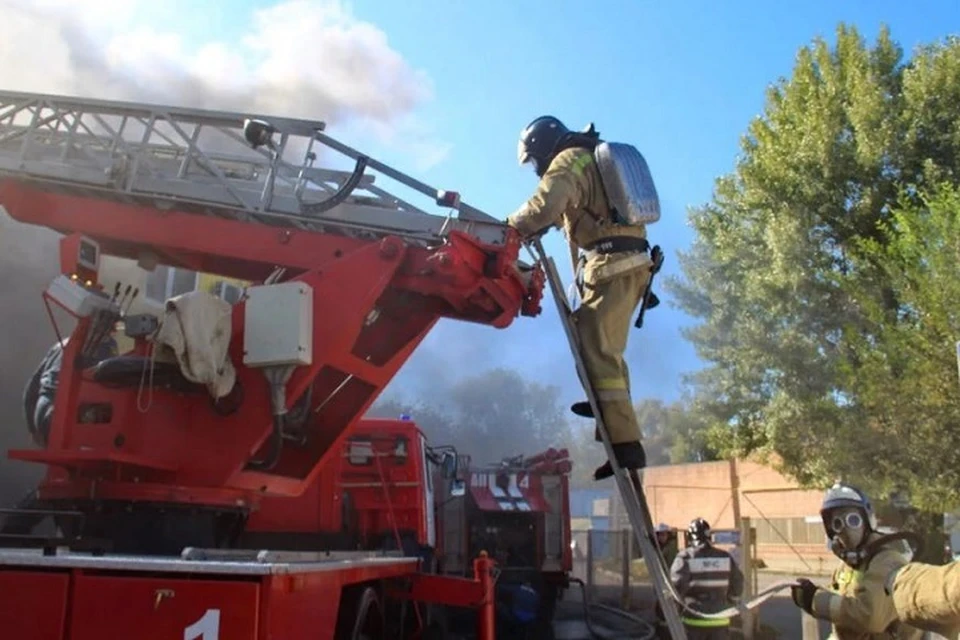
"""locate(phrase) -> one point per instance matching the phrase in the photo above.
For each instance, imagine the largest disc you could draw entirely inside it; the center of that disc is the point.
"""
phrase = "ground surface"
(779, 617)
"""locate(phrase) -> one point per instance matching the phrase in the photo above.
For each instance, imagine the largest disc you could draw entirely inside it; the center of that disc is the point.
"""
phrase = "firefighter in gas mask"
(856, 603)
(613, 274)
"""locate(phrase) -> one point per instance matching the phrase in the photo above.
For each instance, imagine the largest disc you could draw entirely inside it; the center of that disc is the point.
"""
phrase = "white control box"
(278, 325)
(77, 299)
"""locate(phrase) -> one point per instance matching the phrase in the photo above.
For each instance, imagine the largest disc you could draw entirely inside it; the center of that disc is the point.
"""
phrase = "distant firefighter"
(708, 580)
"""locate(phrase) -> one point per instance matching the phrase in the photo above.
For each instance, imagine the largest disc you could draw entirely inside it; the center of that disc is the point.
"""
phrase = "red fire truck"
(158, 458)
(389, 489)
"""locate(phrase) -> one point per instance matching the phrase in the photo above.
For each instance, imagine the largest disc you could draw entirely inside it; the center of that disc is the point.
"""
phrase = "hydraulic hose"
(277, 377)
(640, 627)
(273, 453)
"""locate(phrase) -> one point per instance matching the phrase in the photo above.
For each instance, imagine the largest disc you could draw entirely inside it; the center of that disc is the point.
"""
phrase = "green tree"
(690, 435)
(906, 376)
(673, 433)
(502, 415)
(435, 423)
(786, 271)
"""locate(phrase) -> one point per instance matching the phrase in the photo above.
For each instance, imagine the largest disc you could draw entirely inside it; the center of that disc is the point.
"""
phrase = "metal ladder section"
(629, 485)
(199, 161)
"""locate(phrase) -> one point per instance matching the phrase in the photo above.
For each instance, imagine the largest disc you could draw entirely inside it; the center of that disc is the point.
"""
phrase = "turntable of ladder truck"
(156, 458)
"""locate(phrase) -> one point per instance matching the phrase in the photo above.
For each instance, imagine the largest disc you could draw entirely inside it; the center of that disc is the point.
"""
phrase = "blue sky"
(679, 80)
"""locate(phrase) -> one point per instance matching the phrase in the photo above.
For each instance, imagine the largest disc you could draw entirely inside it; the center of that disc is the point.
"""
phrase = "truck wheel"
(361, 616)
(436, 622)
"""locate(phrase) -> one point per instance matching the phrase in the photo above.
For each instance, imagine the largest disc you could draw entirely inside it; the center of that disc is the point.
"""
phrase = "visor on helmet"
(523, 156)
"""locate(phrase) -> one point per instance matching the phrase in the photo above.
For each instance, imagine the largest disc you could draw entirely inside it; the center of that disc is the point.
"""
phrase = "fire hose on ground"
(645, 630)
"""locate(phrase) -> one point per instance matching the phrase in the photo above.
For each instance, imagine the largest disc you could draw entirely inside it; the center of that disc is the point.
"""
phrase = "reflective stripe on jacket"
(707, 579)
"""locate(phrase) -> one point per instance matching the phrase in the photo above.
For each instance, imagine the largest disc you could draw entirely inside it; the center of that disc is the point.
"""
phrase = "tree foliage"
(907, 367)
(800, 267)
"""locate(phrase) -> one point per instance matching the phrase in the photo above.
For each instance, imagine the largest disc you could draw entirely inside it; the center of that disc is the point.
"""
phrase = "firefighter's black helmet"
(699, 530)
(538, 142)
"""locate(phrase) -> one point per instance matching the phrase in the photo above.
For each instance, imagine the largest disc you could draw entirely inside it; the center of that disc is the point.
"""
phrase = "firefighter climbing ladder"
(631, 488)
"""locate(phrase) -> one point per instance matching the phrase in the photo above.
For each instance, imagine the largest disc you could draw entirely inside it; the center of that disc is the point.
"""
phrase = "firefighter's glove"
(802, 594)
(528, 236)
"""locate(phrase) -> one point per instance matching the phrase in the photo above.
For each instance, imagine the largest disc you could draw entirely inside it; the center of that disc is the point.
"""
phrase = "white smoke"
(299, 58)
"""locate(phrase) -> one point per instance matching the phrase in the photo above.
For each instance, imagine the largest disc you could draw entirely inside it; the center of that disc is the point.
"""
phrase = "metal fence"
(610, 566)
(614, 573)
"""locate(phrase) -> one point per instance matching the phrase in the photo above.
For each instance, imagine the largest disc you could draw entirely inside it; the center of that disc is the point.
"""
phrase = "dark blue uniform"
(707, 579)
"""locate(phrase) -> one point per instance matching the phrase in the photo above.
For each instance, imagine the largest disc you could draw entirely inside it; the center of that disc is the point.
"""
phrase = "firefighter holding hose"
(856, 603)
(613, 275)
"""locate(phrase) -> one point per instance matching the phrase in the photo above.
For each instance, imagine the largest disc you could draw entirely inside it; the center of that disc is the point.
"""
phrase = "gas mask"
(848, 531)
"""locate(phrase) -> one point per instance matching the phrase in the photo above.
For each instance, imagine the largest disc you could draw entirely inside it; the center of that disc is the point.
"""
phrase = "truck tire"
(361, 615)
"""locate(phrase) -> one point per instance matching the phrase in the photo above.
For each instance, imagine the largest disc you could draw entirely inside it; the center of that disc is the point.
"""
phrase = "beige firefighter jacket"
(857, 603)
(928, 597)
(570, 195)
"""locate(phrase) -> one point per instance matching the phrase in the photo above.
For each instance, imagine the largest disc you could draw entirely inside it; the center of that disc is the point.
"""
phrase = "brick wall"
(785, 517)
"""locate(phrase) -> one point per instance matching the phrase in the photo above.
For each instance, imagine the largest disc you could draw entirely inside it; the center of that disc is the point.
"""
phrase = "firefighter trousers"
(603, 321)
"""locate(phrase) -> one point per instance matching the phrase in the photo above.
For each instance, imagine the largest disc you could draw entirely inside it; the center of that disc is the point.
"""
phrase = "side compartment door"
(164, 608)
(33, 604)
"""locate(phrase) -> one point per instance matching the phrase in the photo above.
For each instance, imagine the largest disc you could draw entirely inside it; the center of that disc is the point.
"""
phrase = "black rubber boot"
(582, 409)
(630, 455)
